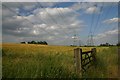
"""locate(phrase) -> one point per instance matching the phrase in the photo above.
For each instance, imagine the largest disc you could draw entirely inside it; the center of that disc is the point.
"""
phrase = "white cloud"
(49, 24)
(92, 10)
(112, 32)
(102, 35)
(35, 32)
(113, 20)
(89, 8)
(109, 36)
(53, 11)
(106, 34)
(45, 26)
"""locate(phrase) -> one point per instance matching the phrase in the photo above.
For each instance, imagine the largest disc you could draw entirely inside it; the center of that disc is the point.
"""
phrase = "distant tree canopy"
(36, 42)
(22, 42)
(106, 44)
(118, 44)
(42, 42)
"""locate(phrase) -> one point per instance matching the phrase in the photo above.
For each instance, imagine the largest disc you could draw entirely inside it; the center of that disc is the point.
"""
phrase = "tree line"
(103, 44)
(45, 43)
(108, 44)
(35, 42)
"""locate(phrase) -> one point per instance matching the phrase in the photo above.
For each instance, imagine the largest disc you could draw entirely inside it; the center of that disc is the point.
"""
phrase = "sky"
(59, 22)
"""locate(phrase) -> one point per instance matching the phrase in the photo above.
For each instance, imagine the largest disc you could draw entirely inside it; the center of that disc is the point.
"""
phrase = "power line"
(109, 24)
(98, 18)
(26, 19)
(59, 12)
(32, 22)
(61, 15)
(51, 17)
(90, 36)
(105, 16)
(45, 21)
(92, 21)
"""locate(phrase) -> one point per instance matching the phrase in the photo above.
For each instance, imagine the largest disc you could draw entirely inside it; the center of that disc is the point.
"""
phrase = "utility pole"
(79, 42)
(75, 39)
(90, 40)
(74, 43)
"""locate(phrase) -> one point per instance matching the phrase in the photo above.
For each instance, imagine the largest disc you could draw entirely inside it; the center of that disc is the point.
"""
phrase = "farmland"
(44, 61)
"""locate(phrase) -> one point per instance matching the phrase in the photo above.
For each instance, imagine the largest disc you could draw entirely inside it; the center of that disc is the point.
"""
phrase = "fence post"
(94, 54)
(77, 56)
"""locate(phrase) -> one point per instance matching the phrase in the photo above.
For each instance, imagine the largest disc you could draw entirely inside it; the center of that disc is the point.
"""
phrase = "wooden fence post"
(94, 54)
(77, 56)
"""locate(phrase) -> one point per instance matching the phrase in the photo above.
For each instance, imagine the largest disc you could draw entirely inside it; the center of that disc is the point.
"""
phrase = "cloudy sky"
(59, 22)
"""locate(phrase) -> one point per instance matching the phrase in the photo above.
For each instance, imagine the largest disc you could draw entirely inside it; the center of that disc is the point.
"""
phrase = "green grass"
(34, 61)
(0, 62)
(28, 62)
(106, 64)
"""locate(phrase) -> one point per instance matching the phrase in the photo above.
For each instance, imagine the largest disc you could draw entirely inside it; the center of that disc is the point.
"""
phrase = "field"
(39, 61)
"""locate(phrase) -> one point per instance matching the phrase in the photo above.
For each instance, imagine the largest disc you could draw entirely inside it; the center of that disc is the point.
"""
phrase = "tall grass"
(35, 61)
(0, 62)
(106, 64)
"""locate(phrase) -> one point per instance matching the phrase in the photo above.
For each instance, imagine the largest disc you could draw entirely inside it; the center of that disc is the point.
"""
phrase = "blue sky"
(57, 23)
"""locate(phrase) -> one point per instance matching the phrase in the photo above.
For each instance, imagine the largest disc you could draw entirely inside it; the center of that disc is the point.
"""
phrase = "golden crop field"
(39, 61)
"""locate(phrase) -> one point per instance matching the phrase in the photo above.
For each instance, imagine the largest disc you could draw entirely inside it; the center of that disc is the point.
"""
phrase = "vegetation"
(106, 65)
(35, 42)
(107, 44)
(39, 61)
(118, 44)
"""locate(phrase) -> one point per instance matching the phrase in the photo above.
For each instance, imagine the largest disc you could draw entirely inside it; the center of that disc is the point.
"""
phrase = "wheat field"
(48, 61)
